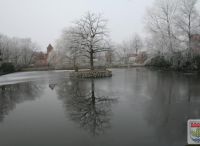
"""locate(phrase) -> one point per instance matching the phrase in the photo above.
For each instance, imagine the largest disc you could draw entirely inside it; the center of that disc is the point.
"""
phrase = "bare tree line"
(132, 46)
(171, 25)
(18, 51)
(88, 39)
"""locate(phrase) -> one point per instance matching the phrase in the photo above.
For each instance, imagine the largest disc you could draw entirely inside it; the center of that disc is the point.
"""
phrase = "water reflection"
(90, 110)
(52, 86)
(174, 100)
(11, 95)
(152, 109)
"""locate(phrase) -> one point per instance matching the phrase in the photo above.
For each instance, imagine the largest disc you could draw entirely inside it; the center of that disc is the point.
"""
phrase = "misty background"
(44, 20)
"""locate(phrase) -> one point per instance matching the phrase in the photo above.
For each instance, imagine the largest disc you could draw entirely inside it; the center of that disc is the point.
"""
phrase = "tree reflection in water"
(170, 107)
(11, 95)
(90, 110)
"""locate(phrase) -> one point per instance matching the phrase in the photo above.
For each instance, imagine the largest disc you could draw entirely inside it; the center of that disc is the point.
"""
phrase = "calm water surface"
(134, 107)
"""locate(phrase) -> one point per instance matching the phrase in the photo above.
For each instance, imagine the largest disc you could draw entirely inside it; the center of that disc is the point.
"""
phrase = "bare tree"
(28, 49)
(92, 36)
(137, 43)
(130, 47)
(160, 22)
(85, 107)
(18, 51)
(125, 48)
(187, 22)
(69, 46)
(5, 49)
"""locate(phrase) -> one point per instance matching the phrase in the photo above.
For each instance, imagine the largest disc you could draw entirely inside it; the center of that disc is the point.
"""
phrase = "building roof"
(49, 46)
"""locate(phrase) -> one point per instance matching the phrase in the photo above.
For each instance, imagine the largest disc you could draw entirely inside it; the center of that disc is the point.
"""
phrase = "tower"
(49, 49)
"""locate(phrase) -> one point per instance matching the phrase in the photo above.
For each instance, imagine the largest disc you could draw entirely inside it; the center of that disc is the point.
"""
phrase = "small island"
(97, 73)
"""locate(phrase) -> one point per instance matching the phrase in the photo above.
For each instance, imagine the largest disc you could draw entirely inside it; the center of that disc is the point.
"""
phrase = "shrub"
(7, 68)
(159, 61)
(189, 64)
(196, 62)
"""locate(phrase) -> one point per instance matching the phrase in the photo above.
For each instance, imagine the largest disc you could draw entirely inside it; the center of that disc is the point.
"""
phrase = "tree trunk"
(189, 38)
(91, 60)
(75, 64)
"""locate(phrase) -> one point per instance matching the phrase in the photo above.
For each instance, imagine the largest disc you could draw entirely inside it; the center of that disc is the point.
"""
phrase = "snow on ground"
(31, 76)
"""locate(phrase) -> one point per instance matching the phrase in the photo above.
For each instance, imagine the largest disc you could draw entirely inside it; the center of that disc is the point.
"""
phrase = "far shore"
(29, 69)
(80, 68)
(112, 67)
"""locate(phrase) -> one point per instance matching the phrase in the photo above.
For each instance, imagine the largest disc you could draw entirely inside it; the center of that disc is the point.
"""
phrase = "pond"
(136, 106)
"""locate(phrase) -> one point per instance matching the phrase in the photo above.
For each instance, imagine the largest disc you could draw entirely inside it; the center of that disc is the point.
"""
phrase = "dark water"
(134, 107)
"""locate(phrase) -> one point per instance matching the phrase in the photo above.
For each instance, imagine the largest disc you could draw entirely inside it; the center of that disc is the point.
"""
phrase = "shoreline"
(114, 67)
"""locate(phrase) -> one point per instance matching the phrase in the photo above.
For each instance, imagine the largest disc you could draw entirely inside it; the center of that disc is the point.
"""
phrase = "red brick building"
(196, 43)
(49, 49)
(41, 57)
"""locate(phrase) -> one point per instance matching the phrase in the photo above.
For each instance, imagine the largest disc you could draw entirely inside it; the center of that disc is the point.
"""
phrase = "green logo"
(196, 133)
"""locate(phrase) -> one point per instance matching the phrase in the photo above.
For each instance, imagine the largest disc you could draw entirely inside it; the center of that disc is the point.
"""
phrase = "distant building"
(49, 49)
(195, 43)
(132, 57)
(41, 57)
(139, 58)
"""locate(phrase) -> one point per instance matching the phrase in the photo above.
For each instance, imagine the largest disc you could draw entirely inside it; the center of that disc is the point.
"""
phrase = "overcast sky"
(44, 20)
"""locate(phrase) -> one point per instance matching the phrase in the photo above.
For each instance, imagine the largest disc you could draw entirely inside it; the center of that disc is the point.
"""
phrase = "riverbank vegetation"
(15, 53)
(181, 64)
(6, 68)
(174, 34)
